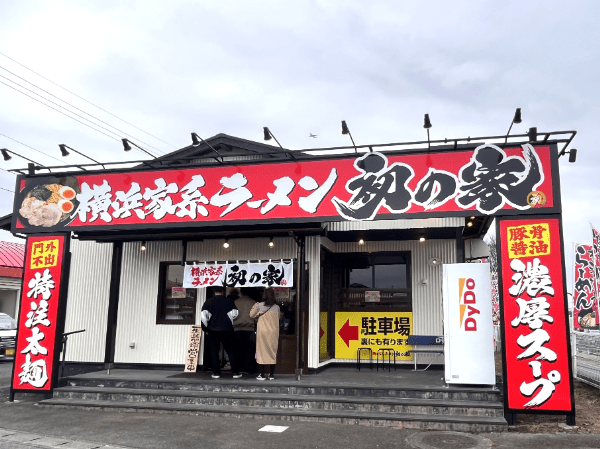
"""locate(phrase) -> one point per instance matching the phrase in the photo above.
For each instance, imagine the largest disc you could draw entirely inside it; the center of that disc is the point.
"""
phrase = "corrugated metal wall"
(427, 298)
(166, 343)
(453, 222)
(136, 321)
(313, 257)
(87, 303)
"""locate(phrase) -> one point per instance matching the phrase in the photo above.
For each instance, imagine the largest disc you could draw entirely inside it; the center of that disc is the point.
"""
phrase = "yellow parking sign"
(374, 330)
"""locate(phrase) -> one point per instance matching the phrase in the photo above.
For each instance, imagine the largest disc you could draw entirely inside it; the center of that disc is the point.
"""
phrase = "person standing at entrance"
(267, 333)
(243, 327)
(218, 313)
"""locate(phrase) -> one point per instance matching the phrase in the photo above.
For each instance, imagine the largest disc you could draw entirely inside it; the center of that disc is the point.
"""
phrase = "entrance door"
(286, 351)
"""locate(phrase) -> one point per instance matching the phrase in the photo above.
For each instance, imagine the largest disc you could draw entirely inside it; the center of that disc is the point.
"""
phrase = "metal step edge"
(287, 397)
(347, 414)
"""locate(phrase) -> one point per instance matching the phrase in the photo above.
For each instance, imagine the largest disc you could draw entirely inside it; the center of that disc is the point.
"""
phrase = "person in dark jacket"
(218, 313)
(243, 326)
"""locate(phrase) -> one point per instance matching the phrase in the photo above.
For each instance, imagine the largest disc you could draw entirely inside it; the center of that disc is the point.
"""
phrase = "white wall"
(87, 302)
(136, 322)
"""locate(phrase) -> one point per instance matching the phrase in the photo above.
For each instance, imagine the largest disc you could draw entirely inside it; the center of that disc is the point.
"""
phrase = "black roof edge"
(6, 222)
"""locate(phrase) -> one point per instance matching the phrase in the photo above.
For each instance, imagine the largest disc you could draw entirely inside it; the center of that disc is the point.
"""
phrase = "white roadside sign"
(468, 328)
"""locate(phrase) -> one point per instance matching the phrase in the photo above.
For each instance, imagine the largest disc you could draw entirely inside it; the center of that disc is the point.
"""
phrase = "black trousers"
(215, 340)
(245, 351)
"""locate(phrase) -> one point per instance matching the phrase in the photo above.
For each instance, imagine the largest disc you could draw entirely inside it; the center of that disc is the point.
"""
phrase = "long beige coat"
(267, 332)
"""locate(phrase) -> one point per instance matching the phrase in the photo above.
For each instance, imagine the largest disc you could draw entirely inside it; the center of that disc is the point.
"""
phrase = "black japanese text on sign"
(35, 352)
(485, 181)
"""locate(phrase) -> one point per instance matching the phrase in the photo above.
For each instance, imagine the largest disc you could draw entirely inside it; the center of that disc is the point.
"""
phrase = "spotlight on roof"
(63, 149)
(127, 147)
(6, 154)
(517, 118)
(572, 154)
(65, 153)
(426, 122)
(267, 133)
(346, 130)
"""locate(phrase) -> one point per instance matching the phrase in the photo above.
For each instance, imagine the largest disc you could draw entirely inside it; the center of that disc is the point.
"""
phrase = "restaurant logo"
(536, 198)
(467, 304)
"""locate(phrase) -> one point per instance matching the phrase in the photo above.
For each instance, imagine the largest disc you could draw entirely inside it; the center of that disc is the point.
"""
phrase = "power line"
(67, 115)
(2, 188)
(73, 106)
(54, 103)
(46, 154)
(87, 101)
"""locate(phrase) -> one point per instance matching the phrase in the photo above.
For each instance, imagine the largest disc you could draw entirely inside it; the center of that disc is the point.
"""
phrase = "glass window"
(176, 304)
(361, 278)
(390, 276)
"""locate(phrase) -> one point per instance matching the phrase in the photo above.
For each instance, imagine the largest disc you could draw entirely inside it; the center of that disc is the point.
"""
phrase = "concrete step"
(287, 387)
(286, 400)
(368, 418)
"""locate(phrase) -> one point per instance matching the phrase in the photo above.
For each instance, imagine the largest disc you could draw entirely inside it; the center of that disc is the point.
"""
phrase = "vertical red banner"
(533, 305)
(596, 256)
(585, 306)
(39, 313)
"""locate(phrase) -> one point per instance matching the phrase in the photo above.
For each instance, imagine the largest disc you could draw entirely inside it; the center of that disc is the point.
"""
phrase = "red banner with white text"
(537, 358)
(368, 186)
(38, 317)
(585, 306)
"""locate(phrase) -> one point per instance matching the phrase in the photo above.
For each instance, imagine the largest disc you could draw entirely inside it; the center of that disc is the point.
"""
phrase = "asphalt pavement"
(25, 424)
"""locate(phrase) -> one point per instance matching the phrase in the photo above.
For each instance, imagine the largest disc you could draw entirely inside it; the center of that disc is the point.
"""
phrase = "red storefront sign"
(534, 319)
(36, 354)
(369, 186)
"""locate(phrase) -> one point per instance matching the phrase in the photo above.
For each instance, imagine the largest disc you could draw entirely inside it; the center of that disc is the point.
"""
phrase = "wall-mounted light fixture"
(346, 130)
(143, 246)
(7, 157)
(361, 242)
(127, 147)
(226, 244)
(65, 153)
(422, 239)
(271, 243)
(470, 223)
(427, 125)
(572, 154)
(435, 261)
(516, 119)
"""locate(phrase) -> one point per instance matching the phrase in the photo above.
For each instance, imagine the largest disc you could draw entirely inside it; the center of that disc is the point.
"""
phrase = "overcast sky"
(171, 68)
